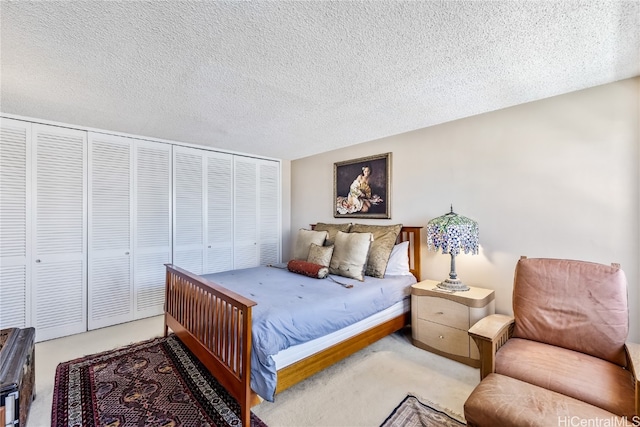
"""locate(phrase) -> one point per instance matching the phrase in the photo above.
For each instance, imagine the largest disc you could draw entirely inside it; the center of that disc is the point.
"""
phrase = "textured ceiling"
(292, 79)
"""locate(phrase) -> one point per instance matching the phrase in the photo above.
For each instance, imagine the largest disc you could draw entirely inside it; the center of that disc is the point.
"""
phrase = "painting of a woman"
(364, 195)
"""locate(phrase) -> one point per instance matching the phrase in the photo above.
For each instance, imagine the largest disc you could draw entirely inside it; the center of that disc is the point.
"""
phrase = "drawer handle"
(441, 337)
(440, 312)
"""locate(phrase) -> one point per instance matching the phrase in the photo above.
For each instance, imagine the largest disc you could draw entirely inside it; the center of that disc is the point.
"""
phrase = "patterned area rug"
(157, 382)
(413, 413)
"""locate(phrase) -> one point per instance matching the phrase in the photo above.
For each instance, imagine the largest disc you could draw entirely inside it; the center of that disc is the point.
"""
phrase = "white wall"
(553, 178)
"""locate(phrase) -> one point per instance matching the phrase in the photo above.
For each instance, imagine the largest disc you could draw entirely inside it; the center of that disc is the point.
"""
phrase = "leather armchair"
(563, 353)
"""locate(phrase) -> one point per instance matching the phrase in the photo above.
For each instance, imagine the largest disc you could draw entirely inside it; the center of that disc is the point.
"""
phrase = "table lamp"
(451, 233)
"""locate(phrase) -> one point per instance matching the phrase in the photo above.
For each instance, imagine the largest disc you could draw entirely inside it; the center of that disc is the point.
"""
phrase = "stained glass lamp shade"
(452, 233)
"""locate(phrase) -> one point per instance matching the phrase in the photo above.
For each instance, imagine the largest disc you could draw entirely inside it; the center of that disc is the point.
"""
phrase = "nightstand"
(440, 320)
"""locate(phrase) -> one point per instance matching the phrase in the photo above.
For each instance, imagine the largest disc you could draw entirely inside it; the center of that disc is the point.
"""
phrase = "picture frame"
(358, 193)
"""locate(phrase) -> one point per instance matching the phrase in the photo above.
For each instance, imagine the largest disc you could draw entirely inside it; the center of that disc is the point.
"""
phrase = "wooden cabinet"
(440, 320)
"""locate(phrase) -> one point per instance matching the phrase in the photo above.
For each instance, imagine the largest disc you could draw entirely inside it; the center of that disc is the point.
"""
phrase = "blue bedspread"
(293, 309)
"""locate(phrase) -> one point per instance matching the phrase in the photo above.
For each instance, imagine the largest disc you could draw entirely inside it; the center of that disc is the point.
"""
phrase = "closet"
(195, 171)
(256, 201)
(226, 211)
(88, 219)
(15, 214)
(129, 228)
(43, 230)
(152, 212)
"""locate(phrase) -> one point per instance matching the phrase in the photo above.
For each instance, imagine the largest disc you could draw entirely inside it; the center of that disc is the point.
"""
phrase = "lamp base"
(453, 285)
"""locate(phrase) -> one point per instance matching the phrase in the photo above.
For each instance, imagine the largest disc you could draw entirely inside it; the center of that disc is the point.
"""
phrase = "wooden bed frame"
(215, 324)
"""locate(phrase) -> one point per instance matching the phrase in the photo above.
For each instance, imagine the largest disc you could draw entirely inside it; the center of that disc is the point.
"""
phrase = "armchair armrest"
(489, 334)
(633, 359)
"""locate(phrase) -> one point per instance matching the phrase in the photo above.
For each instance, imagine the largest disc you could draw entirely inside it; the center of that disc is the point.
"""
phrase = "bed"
(215, 323)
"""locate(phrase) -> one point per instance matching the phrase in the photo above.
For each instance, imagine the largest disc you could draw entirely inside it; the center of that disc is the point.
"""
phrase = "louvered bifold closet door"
(15, 223)
(219, 244)
(188, 205)
(110, 280)
(269, 213)
(152, 226)
(245, 227)
(59, 252)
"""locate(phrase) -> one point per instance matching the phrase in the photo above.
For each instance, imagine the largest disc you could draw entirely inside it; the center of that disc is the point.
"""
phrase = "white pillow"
(398, 264)
(305, 239)
(350, 254)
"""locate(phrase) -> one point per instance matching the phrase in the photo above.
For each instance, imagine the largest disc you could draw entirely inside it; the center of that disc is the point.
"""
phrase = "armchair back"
(577, 305)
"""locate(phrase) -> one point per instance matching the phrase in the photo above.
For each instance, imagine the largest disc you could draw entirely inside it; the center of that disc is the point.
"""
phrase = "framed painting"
(361, 187)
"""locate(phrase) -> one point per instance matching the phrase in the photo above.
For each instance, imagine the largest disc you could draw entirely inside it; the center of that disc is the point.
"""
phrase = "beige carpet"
(365, 388)
(359, 391)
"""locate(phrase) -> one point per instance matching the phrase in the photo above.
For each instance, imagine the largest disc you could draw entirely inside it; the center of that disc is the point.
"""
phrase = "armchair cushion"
(508, 402)
(577, 305)
(578, 375)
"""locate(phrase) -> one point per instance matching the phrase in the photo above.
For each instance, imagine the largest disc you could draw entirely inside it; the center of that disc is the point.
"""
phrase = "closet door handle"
(37, 260)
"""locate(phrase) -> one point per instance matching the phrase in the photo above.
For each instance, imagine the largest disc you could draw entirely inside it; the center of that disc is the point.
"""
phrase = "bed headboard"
(412, 235)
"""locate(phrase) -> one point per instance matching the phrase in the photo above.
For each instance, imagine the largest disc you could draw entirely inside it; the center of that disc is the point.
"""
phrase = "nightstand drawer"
(443, 338)
(444, 312)
(440, 320)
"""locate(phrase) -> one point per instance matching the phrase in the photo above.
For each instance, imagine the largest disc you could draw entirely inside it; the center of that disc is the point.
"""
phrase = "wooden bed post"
(167, 294)
(245, 404)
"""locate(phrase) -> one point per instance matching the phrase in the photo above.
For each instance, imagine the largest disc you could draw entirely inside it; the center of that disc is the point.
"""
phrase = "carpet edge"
(450, 412)
(454, 416)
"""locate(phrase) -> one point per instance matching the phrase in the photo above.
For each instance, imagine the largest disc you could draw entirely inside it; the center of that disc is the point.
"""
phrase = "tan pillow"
(320, 254)
(332, 229)
(350, 254)
(305, 239)
(384, 238)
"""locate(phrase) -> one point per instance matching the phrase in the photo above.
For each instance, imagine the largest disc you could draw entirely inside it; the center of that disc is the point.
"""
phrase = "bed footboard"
(215, 324)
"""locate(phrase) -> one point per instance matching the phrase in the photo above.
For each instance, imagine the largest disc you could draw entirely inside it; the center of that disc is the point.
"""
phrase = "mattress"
(301, 351)
(293, 309)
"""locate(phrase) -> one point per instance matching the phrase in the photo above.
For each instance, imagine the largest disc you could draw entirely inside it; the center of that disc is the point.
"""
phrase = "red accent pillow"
(308, 269)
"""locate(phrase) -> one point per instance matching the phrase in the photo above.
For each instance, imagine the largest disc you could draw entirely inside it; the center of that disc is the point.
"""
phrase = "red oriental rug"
(157, 382)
